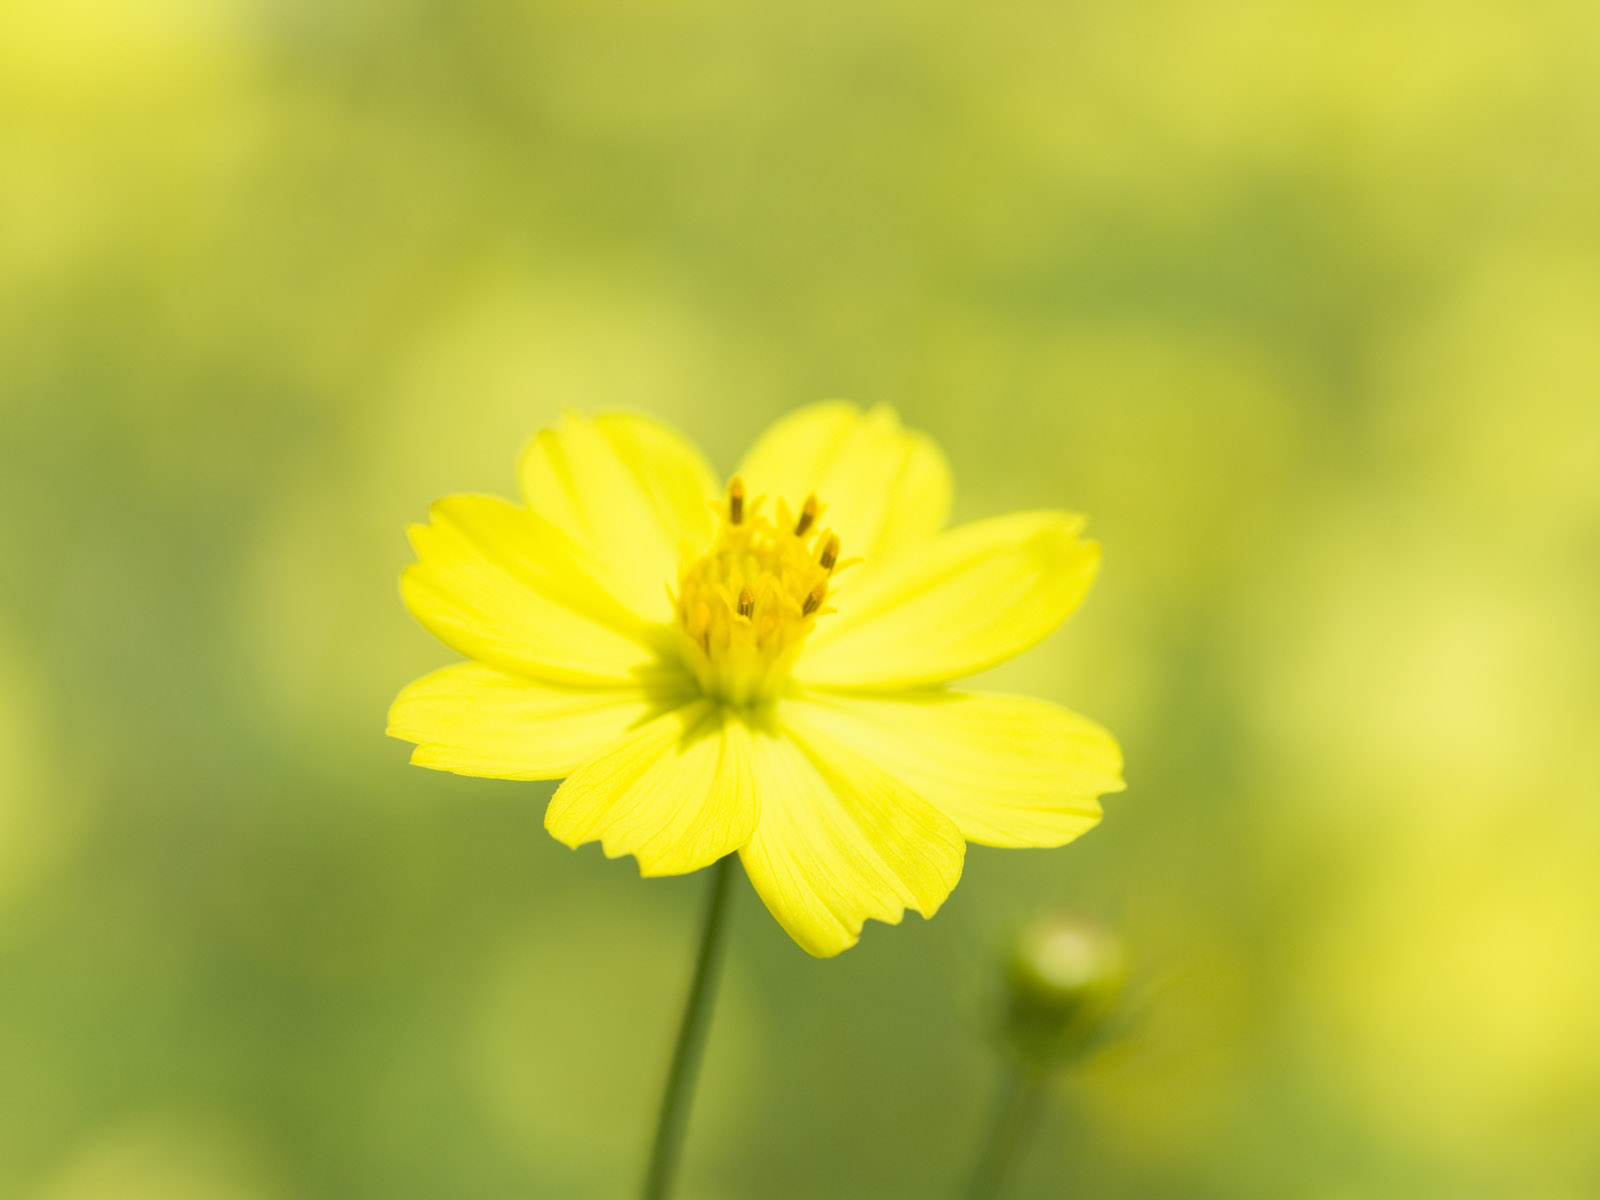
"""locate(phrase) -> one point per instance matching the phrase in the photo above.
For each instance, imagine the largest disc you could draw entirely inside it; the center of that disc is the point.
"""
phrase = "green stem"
(673, 1118)
(1015, 1108)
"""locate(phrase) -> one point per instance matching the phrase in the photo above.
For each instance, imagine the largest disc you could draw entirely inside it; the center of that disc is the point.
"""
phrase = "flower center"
(745, 608)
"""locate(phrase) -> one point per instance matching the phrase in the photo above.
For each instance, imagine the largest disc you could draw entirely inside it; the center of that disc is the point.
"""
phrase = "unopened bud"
(1064, 977)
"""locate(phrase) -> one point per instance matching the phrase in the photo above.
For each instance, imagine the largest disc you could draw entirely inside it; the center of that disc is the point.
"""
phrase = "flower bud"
(1064, 977)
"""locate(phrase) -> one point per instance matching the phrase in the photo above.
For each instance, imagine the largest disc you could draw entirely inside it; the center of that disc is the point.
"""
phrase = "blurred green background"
(1300, 302)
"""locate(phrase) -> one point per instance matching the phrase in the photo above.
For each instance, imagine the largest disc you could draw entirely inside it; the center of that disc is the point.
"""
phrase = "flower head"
(744, 607)
(760, 667)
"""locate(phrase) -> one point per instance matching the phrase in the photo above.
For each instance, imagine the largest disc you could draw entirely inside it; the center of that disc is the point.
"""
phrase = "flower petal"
(476, 720)
(677, 794)
(840, 841)
(630, 493)
(1009, 771)
(499, 585)
(882, 485)
(952, 605)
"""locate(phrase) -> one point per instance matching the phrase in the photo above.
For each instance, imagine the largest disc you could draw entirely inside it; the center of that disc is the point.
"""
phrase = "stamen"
(830, 553)
(808, 514)
(746, 606)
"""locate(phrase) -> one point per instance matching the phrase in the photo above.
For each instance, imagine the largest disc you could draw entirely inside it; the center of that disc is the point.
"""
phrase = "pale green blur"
(1299, 302)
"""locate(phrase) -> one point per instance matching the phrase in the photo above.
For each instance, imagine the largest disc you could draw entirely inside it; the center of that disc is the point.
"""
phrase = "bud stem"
(1016, 1105)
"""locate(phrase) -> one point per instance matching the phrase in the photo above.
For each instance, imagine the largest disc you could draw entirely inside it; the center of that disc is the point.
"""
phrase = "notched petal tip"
(851, 933)
(825, 948)
(841, 842)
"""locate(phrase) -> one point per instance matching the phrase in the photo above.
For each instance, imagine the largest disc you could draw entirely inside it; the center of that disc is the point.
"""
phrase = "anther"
(736, 501)
(830, 553)
(808, 514)
(747, 601)
(814, 600)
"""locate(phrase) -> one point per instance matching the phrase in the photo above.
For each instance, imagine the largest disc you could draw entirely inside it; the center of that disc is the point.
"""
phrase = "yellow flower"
(760, 668)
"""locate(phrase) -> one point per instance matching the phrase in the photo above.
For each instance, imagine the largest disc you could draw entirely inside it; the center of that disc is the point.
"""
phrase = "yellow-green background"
(1300, 302)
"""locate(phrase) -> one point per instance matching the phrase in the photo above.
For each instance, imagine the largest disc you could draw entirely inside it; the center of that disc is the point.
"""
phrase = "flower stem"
(1016, 1104)
(673, 1118)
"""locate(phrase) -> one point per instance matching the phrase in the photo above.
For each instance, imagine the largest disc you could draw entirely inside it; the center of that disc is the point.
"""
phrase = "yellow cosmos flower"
(759, 668)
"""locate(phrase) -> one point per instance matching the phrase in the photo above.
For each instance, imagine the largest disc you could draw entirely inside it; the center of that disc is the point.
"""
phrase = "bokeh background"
(1300, 302)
